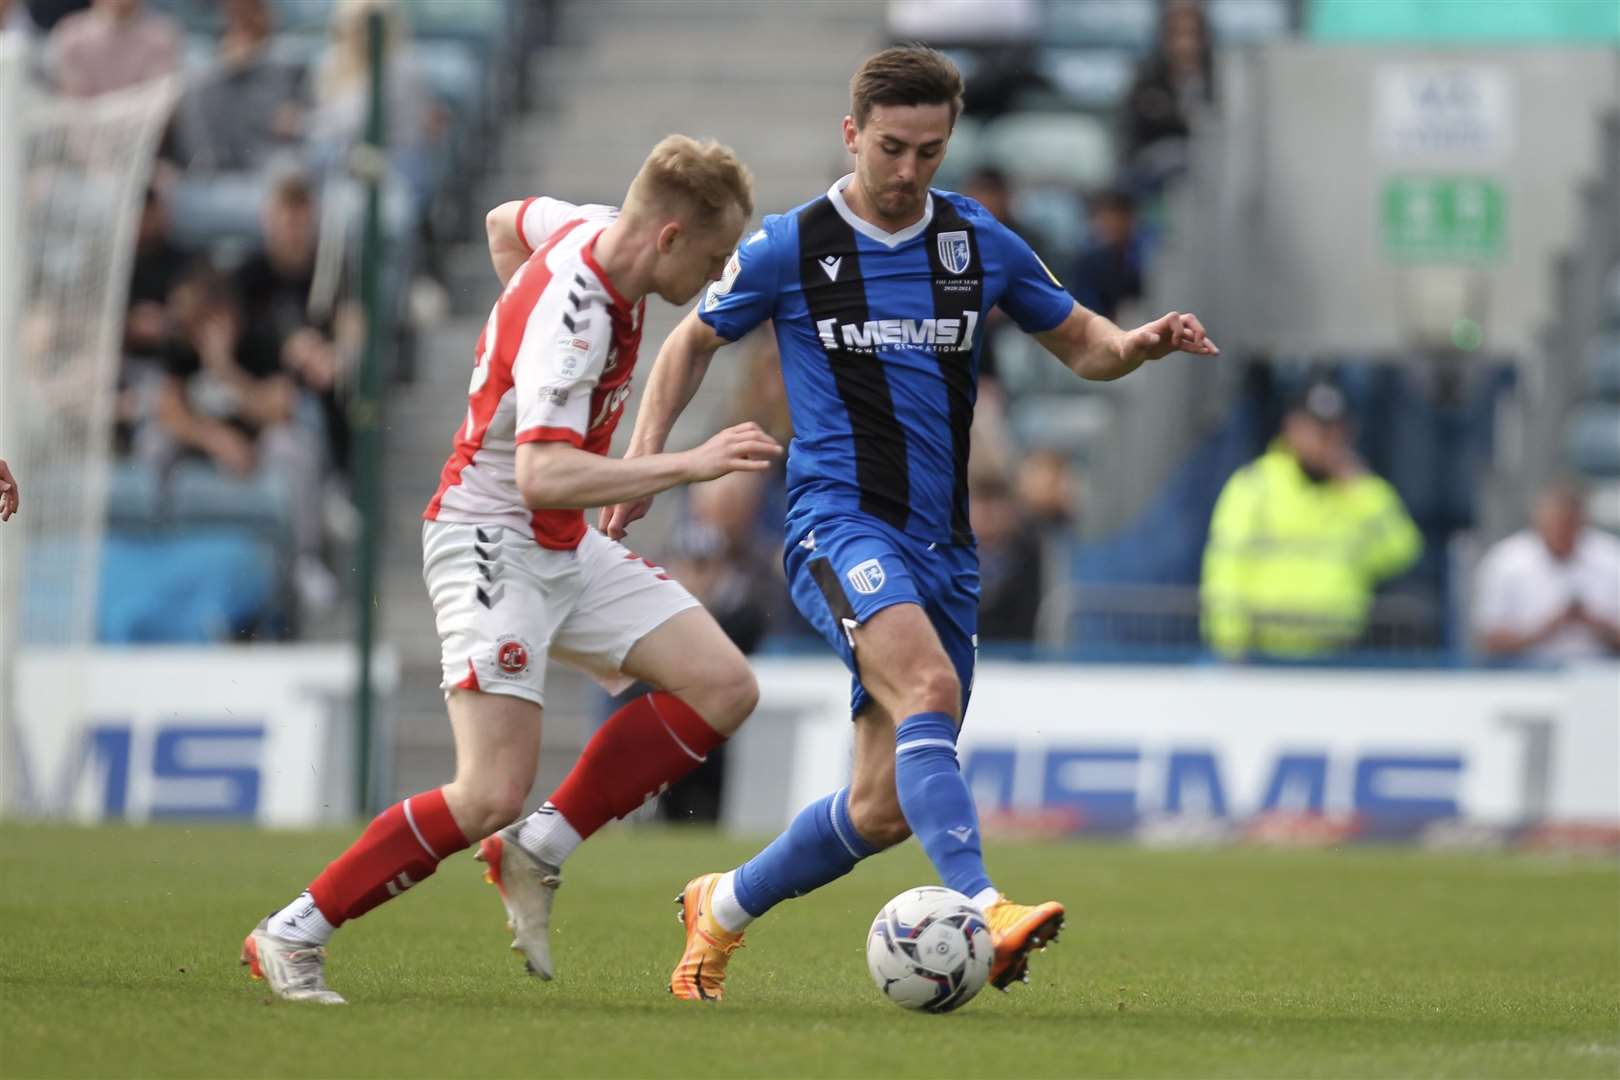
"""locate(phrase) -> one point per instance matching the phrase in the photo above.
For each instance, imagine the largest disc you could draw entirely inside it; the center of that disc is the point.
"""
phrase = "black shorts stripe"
(881, 470)
(954, 296)
(831, 591)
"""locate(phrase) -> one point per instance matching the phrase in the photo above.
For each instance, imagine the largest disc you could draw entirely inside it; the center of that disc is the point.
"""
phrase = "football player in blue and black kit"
(879, 292)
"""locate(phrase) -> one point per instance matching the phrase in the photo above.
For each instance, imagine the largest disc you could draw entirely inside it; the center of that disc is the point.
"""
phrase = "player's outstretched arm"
(507, 251)
(677, 373)
(10, 497)
(1094, 348)
(559, 476)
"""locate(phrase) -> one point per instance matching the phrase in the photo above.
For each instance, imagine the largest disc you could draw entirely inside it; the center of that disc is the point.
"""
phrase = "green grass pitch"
(118, 957)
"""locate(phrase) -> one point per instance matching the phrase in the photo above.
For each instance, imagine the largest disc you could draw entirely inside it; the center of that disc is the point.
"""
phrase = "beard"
(898, 202)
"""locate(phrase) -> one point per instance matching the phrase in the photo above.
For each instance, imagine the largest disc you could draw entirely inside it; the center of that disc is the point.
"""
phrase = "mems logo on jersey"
(929, 335)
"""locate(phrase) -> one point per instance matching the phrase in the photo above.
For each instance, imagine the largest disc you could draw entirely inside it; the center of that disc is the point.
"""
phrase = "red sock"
(401, 847)
(643, 748)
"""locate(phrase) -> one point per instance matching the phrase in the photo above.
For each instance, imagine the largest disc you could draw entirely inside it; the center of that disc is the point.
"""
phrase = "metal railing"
(1165, 621)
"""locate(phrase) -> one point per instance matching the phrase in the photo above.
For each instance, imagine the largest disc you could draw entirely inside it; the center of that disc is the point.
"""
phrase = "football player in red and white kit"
(516, 575)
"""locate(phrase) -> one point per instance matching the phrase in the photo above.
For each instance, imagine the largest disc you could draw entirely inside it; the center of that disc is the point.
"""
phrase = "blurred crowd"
(1319, 519)
(243, 330)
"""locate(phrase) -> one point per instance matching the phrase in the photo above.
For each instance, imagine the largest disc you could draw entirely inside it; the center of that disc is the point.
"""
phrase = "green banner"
(1509, 22)
(1443, 218)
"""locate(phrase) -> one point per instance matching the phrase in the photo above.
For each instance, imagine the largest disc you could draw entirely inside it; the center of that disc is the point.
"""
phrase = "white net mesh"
(72, 177)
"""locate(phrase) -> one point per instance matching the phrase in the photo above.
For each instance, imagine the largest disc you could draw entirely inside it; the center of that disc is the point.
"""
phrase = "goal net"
(73, 175)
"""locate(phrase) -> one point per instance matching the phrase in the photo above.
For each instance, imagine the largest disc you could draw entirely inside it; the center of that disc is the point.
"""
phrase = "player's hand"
(743, 448)
(615, 521)
(1175, 332)
(10, 497)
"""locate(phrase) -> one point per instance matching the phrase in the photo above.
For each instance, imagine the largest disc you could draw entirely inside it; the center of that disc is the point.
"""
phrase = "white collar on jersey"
(835, 195)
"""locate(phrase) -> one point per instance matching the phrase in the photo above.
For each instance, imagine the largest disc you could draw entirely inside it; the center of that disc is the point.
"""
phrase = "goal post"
(73, 174)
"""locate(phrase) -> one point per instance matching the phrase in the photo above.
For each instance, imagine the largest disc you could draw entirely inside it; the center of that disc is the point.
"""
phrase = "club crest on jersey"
(867, 578)
(512, 656)
(954, 252)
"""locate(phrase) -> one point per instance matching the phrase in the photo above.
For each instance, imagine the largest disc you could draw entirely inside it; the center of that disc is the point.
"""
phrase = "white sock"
(985, 897)
(301, 921)
(547, 836)
(723, 905)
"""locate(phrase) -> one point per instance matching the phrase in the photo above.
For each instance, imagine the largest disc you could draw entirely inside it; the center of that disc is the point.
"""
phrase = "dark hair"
(293, 188)
(207, 288)
(1111, 199)
(986, 176)
(905, 75)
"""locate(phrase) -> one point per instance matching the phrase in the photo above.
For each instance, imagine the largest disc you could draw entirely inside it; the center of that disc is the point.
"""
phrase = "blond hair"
(702, 179)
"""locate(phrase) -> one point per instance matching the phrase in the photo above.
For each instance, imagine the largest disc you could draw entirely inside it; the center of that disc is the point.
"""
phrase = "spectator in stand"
(148, 328)
(1108, 271)
(248, 107)
(1010, 563)
(990, 187)
(1048, 495)
(47, 13)
(15, 19)
(1552, 591)
(1299, 540)
(722, 560)
(300, 310)
(1171, 86)
(731, 506)
(117, 43)
(158, 267)
(342, 96)
(224, 388)
(224, 396)
(761, 394)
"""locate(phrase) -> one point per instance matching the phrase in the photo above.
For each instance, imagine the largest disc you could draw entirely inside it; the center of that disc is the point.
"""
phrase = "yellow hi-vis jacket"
(1291, 565)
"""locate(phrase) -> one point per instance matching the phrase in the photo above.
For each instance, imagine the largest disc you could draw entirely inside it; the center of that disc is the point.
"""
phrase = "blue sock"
(820, 846)
(935, 798)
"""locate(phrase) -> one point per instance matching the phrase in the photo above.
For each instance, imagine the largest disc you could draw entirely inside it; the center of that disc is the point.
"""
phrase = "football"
(929, 948)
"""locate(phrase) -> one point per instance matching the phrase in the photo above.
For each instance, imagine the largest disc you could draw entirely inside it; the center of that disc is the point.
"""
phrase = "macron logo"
(830, 265)
(962, 833)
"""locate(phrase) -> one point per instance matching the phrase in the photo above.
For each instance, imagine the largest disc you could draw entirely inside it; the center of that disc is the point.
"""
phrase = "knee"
(878, 820)
(934, 687)
(725, 696)
(482, 809)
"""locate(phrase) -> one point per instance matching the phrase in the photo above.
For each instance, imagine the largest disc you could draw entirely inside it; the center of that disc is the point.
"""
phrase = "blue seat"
(188, 586)
(1087, 78)
(1073, 426)
(1044, 148)
(1592, 440)
(1603, 367)
(1234, 22)
(1131, 24)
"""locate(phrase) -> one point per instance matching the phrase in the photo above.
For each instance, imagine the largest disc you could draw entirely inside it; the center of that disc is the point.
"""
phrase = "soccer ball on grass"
(929, 948)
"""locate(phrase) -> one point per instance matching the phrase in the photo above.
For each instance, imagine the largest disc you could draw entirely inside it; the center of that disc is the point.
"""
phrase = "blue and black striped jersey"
(880, 335)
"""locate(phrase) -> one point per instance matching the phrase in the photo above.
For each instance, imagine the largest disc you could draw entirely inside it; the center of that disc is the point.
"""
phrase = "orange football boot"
(1017, 930)
(702, 970)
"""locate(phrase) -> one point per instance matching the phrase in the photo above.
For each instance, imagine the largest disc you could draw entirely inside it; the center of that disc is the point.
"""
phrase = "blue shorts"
(842, 569)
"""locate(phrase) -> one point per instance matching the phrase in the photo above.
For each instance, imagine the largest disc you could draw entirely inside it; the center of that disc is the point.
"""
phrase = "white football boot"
(294, 970)
(527, 887)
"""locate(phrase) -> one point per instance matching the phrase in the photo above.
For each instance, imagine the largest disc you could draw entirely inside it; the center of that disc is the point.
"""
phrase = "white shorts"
(503, 604)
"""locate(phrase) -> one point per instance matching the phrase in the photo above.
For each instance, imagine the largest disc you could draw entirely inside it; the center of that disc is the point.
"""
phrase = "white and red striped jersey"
(553, 363)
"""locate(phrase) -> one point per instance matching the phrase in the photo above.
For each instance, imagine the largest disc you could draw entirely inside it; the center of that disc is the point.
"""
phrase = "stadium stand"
(274, 98)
